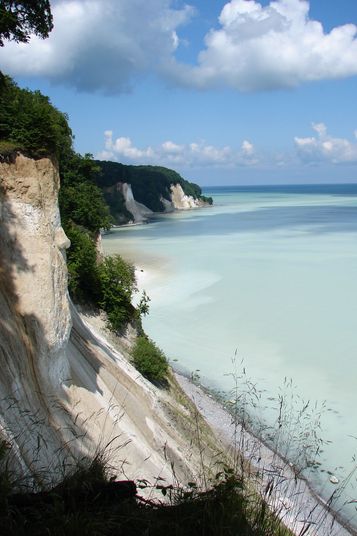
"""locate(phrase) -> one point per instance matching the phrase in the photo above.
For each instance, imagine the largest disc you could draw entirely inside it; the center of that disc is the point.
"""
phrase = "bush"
(150, 360)
(30, 121)
(8, 148)
(80, 200)
(116, 279)
(82, 266)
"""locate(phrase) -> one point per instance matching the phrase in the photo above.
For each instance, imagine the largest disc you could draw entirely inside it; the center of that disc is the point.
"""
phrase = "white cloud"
(100, 44)
(247, 148)
(170, 147)
(124, 147)
(195, 154)
(276, 46)
(107, 44)
(324, 147)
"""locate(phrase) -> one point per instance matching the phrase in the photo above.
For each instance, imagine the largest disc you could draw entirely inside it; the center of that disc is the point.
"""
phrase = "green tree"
(31, 123)
(81, 201)
(82, 266)
(116, 279)
(20, 19)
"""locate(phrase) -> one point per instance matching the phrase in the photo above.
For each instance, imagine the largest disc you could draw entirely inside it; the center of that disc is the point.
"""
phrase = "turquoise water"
(268, 274)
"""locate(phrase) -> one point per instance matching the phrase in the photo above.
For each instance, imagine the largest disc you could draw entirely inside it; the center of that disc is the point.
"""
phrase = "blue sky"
(225, 92)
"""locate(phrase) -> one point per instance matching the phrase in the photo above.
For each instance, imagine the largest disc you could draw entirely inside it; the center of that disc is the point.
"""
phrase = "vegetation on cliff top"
(30, 123)
(149, 184)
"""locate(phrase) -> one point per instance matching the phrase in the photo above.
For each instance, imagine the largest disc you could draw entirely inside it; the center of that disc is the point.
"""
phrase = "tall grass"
(255, 492)
(273, 461)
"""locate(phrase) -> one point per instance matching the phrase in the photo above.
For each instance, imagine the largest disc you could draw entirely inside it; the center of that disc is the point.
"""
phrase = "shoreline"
(293, 498)
(296, 500)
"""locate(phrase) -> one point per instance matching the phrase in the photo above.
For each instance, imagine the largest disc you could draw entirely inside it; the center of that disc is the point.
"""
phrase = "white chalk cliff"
(181, 201)
(139, 211)
(64, 391)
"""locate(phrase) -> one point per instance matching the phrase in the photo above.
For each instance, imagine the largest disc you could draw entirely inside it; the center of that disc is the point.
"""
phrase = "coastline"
(293, 497)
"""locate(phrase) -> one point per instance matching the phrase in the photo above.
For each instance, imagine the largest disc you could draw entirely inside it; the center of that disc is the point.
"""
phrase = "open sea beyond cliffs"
(269, 275)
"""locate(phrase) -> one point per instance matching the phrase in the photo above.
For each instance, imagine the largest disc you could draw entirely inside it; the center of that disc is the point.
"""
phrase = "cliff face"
(35, 320)
(32, 248)
(64, 391)
(181, 201)
(141, 213)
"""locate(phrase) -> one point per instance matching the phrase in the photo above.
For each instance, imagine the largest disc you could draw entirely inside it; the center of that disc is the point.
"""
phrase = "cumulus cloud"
(107, 44)
(247, 148)
(100, 44)
(275, 46)
(195, 154)
(324, 147)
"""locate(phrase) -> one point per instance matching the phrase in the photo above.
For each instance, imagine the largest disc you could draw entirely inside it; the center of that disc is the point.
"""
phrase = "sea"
(259, 291)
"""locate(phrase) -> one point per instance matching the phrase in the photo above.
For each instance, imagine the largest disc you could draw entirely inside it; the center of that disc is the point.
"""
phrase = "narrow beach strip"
(297, 505)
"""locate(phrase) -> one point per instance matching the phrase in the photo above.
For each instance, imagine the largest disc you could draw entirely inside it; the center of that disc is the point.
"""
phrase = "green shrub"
(8, 148)
(29, 120)
(149, 360)
(116, 280)
(80, 200)
(206, 199)
(82, 266)
(83, 203)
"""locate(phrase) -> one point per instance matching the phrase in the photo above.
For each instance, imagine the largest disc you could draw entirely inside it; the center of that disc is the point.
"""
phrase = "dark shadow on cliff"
(32, 411)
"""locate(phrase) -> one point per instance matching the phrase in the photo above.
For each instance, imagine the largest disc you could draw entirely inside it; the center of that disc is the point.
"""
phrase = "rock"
(138, 210)
(65, 392)
(181, 201)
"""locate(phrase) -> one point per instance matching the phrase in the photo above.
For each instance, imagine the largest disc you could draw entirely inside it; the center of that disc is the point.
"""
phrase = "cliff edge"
(134, 193)
(65, 392)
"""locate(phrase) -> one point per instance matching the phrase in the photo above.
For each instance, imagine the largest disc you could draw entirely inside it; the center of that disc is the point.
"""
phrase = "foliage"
(143, 305)
(19, 19)
(90, 501)
(83, 203)
(149, 184)
(108, 284)
(31, 122)
(80, 200)
(116, 280)
(82, 266)
(8, 148)
(206, 199)
(149, 359)
(115, 200)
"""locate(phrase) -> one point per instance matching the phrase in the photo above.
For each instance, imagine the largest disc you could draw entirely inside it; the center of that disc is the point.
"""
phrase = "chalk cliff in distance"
(139, 212)
(134, 193)
(64, 390)
(182, 201)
